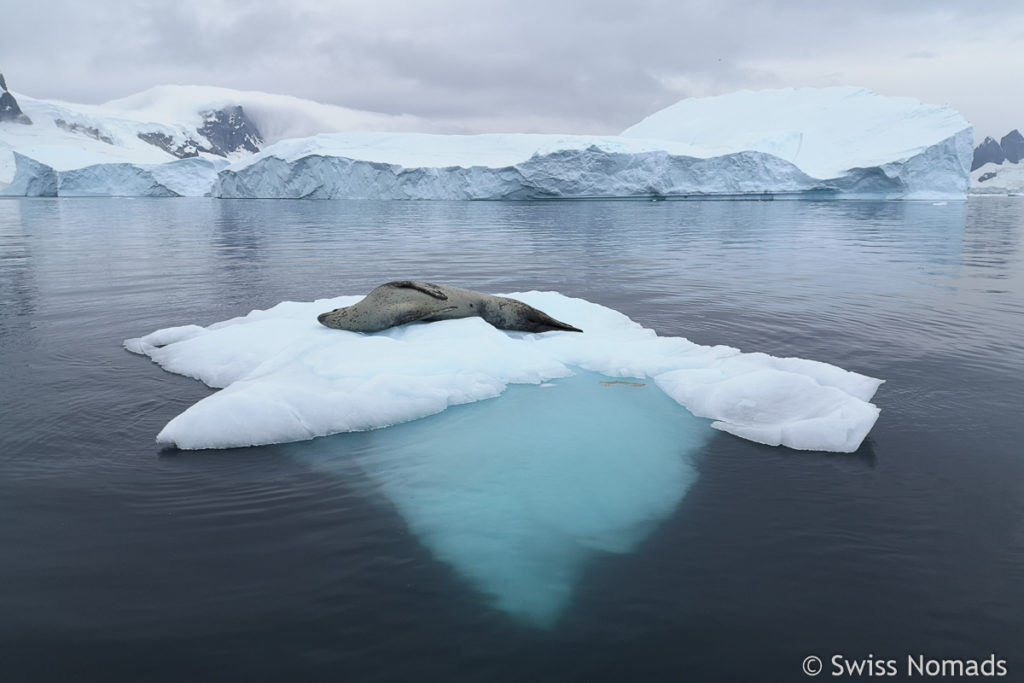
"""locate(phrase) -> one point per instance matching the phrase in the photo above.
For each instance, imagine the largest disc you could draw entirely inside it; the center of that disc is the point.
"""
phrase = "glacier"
(284, 377)
(803, 143)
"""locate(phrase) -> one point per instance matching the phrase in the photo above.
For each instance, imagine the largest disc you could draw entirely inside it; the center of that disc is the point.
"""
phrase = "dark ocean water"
(122, 562)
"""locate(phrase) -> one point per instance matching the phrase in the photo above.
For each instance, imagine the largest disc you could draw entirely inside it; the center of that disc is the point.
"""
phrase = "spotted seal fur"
(406, 301)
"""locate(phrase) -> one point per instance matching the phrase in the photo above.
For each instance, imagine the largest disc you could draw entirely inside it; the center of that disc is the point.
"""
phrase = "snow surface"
(1008, 179)
(828, 142)
(287, 378)
(519, 493)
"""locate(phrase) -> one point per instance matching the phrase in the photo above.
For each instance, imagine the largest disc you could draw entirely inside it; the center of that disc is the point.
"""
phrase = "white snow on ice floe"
(287, 378)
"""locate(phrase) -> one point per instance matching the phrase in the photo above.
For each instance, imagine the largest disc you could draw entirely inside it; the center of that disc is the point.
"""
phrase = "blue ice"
(519, 492)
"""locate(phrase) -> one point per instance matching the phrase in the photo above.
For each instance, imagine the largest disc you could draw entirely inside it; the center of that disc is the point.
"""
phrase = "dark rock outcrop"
(224, 131)
(183, 150)
(1012, 145)
(987, 152)
(82, 129)
(9, 109)
(229, 130)
(1010, 148)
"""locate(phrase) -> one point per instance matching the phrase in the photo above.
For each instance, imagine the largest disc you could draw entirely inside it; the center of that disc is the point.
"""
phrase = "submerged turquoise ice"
(519, 492)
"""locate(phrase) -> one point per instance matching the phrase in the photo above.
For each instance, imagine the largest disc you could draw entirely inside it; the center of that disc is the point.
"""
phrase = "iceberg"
(284, 377)
(807, 142)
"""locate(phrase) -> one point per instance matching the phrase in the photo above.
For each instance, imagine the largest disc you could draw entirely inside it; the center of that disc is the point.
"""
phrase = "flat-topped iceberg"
(287, 378)
(821, 143)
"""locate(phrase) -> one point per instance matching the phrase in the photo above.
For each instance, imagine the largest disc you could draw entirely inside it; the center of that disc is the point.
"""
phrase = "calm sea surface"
(122, 562)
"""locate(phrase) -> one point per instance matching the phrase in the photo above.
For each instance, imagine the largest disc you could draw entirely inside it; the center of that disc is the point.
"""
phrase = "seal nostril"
(320, 318)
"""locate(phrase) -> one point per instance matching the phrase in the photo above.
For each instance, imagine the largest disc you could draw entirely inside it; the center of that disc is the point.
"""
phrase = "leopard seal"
(406, 301)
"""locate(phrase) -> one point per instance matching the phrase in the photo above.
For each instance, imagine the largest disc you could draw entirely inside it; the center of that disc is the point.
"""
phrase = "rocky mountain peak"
(223, 131)
(1009, 148)
(9, 109)
(1012, 145)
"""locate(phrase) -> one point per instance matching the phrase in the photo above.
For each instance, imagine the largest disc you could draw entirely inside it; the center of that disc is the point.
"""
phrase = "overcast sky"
(573, 66)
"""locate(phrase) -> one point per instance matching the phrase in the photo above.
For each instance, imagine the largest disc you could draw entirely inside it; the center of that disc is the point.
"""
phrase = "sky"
(551, 66)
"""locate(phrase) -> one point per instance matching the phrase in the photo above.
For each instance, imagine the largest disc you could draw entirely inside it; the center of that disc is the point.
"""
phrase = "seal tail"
(542, 322)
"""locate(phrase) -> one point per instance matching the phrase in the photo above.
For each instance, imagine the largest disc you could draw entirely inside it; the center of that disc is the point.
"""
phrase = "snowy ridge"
(287, 378)
(839, 142)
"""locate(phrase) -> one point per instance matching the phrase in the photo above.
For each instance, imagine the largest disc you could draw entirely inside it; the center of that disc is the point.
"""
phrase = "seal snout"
(322, 317)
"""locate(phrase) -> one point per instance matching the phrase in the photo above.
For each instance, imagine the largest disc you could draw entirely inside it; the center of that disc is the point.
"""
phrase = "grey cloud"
(571, 65)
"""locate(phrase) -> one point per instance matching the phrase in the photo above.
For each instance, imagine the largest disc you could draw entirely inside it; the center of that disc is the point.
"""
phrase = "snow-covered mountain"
(184, 141)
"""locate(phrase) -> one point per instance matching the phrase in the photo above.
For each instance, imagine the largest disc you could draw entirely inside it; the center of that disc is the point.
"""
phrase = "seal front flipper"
(414, 314)
(428, 288)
